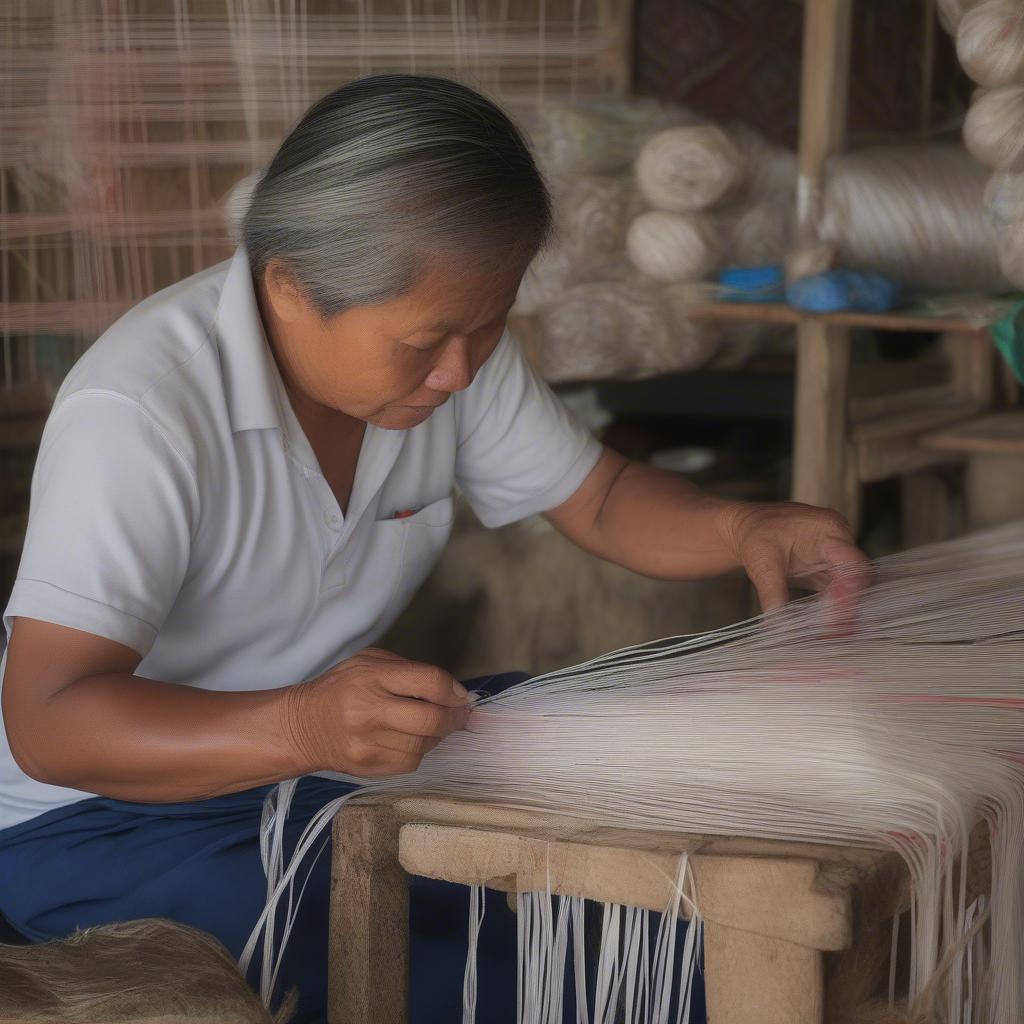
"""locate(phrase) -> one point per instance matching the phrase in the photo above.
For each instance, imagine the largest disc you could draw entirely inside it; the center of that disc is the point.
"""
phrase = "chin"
(400, 418)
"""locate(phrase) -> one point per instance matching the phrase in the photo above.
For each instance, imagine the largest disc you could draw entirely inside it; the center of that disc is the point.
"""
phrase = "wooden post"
(820, 418)
(756, 979)
(820, 473)
(823, 91)
(369, 932)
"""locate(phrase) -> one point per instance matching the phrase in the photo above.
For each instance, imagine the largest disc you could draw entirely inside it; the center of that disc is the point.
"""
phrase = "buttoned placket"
(377, 456)
(328, 510)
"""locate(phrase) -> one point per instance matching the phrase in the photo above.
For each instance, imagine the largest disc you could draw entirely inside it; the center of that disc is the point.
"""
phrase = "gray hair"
(387, 174)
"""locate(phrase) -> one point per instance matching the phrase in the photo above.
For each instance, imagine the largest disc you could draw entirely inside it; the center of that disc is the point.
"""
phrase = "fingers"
(424, 682)
(423, 719)
(767, 571)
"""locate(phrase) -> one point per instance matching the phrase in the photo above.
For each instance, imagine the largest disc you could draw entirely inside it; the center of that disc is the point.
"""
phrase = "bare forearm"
(131, 738)
(658, 524)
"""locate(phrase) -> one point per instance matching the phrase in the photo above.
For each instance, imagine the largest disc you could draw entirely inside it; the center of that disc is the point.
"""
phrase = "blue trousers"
(99, 861)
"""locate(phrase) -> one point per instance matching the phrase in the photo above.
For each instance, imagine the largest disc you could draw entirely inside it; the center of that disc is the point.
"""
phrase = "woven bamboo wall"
(125, 124)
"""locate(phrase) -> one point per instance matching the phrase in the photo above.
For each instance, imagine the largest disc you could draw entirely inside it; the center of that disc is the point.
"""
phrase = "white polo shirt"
(178, 508)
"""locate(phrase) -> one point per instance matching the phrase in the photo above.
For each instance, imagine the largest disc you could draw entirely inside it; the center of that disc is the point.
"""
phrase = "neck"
(312, 415)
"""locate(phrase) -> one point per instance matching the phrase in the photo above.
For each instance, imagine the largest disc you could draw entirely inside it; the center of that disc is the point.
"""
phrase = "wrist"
(301, 728)
(731, 518)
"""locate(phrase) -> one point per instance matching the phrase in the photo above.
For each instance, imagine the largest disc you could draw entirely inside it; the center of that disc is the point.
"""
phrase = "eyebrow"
(446, 327)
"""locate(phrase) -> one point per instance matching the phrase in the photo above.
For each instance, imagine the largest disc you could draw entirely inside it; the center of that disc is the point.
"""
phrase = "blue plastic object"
(843, 291)
(753, 284)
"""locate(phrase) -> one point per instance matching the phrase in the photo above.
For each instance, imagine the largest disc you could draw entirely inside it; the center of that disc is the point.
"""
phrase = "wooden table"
(772, 910)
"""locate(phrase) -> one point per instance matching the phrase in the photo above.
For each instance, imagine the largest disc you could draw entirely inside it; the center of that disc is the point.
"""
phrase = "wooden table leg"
(754, 979)
(369, 929)
(820, 417)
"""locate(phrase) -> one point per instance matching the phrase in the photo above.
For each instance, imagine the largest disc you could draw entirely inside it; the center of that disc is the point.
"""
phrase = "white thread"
(477, 904)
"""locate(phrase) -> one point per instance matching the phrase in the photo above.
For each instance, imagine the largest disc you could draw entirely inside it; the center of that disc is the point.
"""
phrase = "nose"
(453, 371)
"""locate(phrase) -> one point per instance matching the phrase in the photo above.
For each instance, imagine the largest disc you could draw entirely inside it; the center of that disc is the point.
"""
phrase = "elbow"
(32, 753)
(34, 761)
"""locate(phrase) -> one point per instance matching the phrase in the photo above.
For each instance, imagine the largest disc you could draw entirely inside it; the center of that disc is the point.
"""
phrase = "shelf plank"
(779, 313)
(916, 420)
(999, 433)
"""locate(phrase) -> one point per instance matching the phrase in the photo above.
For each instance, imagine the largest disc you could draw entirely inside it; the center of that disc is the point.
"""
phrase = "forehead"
(445, 296)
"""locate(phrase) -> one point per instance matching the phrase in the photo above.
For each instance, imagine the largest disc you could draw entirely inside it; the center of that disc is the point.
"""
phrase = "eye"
(425, 344)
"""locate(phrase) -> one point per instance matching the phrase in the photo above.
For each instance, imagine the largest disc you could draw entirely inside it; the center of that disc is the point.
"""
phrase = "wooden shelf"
(996, 434)
(898, 320)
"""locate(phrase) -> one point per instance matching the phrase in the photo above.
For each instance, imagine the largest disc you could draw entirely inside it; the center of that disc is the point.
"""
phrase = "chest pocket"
(419, 540)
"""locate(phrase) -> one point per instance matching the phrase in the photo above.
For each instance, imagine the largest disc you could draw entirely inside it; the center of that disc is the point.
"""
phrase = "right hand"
(375, 714)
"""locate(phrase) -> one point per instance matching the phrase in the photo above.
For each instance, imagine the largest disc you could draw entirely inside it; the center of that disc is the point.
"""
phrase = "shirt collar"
(252, 383)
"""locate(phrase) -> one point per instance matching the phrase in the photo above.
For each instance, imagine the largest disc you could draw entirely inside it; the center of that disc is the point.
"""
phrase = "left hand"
(784, 541)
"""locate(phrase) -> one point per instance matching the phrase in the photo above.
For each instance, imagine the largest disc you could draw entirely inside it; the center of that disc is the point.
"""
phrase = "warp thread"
(892, 723)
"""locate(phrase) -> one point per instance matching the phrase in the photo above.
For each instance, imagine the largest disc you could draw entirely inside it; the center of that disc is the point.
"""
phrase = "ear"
(284, 292)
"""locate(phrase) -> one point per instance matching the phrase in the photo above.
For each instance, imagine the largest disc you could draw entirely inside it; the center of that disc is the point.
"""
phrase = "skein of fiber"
(951, 13)
(689, 168)
(621, 326)
(759, 235)
(724, 345)
(994, 126)
(1004, 208)
(990, 42)
(913, 214)
(596, 136)
(1010, 238)
(604, 329)
(592, 216)
(771, 171)
(1004, 194)
(545, 279)
(148, 970)
(674, 246)
(696, 342)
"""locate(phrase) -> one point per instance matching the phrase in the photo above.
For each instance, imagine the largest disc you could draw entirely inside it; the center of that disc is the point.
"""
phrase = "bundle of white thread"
(913, 214)
(693, 167)
(618, 327)
(994, 126)
(990, 46)
(951, 13)
(547, 277)
(1004, 206)
(990, 42)
(759, 234)
(595, 136)
(674, 246)
(770, 171)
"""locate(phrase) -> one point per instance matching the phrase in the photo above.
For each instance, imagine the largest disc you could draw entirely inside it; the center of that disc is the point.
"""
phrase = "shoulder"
(159, 359)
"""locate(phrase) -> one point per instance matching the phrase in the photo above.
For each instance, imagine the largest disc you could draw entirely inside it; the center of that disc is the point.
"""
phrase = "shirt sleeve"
(110, 522)
(520, 451)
